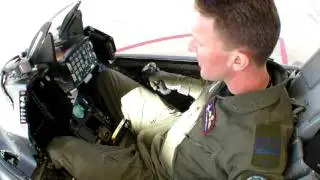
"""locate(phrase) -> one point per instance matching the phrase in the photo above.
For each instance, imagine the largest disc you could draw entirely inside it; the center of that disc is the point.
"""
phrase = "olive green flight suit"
(219, 137)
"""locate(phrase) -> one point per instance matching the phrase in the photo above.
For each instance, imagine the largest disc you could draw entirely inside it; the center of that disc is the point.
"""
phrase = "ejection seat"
(304, 159)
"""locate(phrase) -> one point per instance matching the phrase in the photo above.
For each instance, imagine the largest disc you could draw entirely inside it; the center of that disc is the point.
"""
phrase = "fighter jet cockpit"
(55, 71)
(51, 86)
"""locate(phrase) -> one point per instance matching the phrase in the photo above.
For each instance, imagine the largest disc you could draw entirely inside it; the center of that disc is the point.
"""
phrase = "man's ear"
(240, 61)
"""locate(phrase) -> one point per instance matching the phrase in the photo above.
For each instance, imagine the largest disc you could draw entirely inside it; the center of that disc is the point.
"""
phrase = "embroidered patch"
(267, 146)
(256, 178)
(210, 116)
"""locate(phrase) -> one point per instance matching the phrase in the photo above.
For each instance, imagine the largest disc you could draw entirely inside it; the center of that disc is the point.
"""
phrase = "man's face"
(208, 46)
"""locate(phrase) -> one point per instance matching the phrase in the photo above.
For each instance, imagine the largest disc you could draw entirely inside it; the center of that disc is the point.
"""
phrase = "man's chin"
(204, 75)
(208, 78)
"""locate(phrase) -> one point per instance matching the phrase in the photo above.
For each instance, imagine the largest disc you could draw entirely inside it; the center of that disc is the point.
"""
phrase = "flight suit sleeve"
(191, 86)
(183, 84)
(263, 158)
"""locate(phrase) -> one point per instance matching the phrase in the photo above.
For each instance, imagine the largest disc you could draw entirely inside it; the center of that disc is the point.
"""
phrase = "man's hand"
(164, 82)
(161, 81)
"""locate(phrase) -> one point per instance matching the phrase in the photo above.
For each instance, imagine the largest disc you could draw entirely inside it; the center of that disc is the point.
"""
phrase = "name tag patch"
(267, 146)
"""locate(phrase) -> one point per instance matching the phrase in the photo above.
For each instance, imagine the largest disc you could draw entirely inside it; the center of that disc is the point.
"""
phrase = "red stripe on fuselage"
(283, 50)
(153, 41)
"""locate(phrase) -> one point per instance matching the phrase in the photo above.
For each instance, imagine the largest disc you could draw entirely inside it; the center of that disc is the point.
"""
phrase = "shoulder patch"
(257, 176)
(267, 147)
(210, 116)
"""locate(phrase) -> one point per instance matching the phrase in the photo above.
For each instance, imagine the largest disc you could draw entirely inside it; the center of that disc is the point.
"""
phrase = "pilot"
(238, 127)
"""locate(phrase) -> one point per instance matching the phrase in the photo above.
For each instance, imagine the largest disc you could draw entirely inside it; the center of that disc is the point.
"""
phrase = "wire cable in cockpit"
(4, 74)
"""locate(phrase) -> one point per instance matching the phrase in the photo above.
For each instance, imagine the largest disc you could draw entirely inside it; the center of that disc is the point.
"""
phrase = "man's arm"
(164, 82)
(182, 84)
(264, 159)
(185, 85)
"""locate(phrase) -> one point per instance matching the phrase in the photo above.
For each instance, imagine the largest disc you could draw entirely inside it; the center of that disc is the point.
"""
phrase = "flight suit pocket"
(209, 146)
(196, 159)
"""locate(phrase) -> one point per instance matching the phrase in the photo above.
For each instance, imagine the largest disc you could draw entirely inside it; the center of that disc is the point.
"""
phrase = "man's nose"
(192, 45)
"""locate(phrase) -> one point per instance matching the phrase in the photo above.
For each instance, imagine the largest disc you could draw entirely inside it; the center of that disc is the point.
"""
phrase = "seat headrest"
(306, 88)
(310, 70)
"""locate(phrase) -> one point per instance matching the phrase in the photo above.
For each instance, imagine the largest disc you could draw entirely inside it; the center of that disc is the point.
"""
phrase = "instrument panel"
(80, 60)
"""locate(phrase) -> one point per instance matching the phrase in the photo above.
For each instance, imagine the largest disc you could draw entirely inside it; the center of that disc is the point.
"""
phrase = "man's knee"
(62, 149)
(62, 142)
(106, 76)
(116, 83)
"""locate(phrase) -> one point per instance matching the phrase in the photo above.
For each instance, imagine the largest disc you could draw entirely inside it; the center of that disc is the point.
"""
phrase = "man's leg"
(91, 161)
(125, 98)
(110, 87)
(87, 161)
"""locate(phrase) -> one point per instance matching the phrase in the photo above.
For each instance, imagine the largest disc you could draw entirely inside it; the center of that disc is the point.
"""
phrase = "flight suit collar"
(253, 101)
